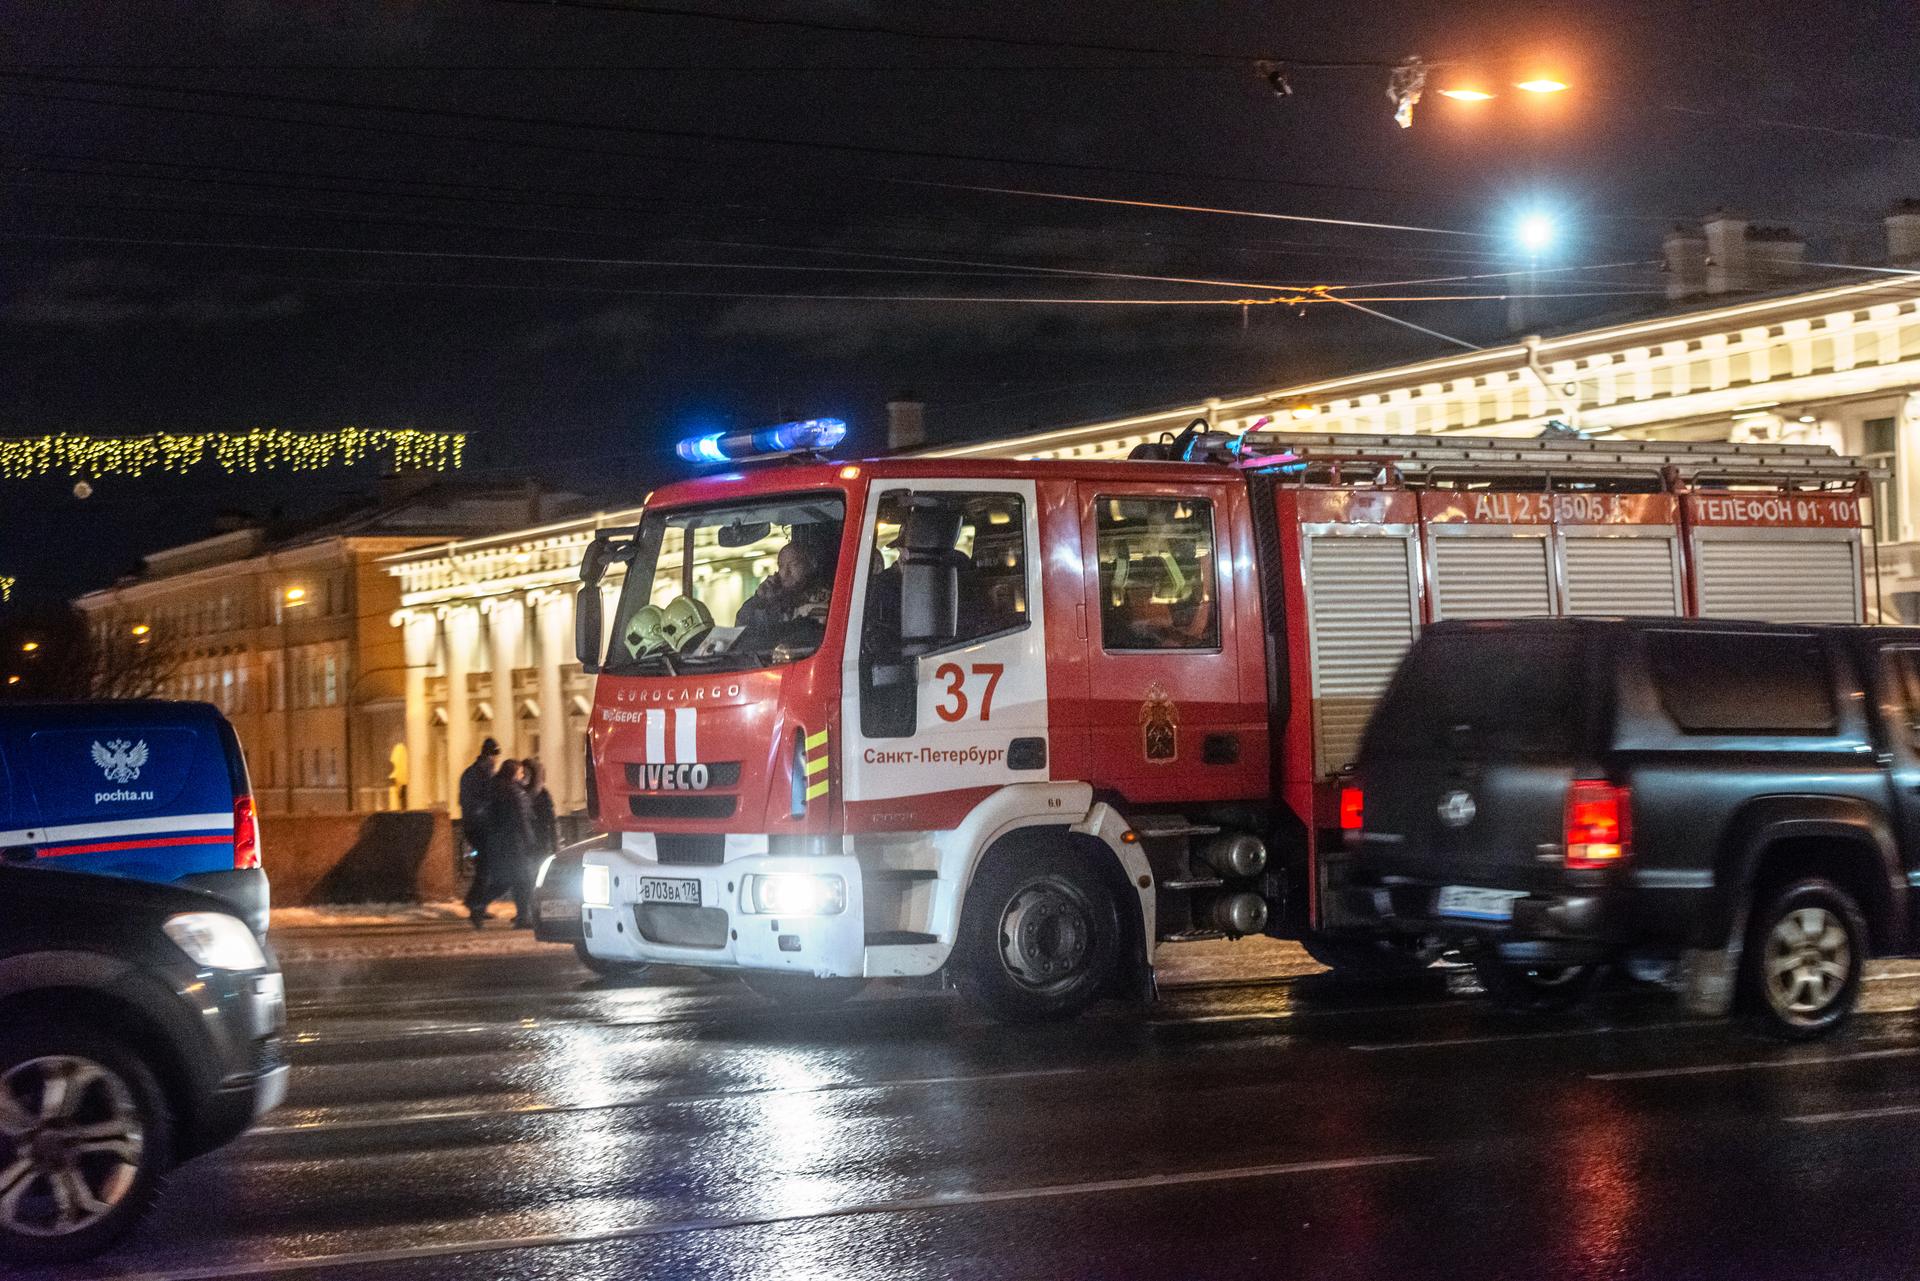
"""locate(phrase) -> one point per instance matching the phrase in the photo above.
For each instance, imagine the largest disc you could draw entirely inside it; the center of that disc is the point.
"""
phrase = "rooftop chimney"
(1903, 234)
(1774, 254)
(1685, 261)
(906, 423)
(1727, 270)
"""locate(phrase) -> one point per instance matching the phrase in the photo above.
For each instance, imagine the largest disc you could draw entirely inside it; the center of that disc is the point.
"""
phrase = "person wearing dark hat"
(476, 808)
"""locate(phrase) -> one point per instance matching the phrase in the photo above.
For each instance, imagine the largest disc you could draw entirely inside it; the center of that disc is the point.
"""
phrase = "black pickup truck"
(1730, 808)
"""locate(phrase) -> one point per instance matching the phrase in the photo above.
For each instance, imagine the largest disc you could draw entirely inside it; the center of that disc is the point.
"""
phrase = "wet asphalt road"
(467, 1108)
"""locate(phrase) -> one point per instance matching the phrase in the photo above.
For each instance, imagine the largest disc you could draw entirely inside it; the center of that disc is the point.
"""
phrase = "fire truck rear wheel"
(1040, 936)
(801, 991)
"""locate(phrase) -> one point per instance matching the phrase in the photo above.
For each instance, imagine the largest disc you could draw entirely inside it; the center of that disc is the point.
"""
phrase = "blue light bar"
(806, 435)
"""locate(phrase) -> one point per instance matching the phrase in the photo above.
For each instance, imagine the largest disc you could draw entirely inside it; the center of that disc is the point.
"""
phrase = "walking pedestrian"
(510, 827)
(476, 805)
(546, 823)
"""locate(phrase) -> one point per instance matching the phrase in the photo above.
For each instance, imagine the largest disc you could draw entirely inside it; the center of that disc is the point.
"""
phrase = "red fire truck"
(1020, 722)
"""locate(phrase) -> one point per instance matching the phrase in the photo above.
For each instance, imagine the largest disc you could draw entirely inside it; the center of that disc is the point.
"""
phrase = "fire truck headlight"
(797, 894)
(596, 885)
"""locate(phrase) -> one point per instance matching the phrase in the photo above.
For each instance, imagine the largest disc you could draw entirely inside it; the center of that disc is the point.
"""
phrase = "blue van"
(155, 790)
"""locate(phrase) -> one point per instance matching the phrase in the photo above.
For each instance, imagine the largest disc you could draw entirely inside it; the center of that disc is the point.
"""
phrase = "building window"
(1880, 445)
(331, 682)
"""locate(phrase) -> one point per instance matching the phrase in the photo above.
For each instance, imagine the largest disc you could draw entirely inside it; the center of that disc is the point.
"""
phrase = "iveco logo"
(1457, 809)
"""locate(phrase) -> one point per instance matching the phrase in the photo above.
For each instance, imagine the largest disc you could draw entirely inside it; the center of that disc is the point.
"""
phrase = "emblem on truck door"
(1457, 809)
(1159, 724)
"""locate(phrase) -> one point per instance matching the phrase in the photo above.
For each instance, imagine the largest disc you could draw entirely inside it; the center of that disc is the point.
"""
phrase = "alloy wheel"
(1808, 960)
(71, 1140)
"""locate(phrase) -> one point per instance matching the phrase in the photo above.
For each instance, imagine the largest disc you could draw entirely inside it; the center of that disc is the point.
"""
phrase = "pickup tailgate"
(1466, 762)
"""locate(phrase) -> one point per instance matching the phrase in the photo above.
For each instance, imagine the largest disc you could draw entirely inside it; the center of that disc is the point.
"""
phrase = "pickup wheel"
(1368, 960)
(1536, 989)
(86, 1136)
(801, 991)
(1039, 937)
(1806, 949)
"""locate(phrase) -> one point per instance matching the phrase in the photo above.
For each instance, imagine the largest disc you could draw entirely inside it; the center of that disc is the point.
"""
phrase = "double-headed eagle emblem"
(120, 760)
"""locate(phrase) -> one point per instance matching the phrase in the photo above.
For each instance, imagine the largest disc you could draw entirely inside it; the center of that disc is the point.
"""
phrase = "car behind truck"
(1019, 722)
(1733, 808)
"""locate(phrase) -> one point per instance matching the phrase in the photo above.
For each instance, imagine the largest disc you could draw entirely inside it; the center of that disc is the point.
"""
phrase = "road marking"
(1861, 1114)
(1759, 1065)
(936, 1201)
(331, 1124)
(1608, 1030)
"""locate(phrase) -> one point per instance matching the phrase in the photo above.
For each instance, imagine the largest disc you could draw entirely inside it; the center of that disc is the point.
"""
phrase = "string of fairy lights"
(261, 449)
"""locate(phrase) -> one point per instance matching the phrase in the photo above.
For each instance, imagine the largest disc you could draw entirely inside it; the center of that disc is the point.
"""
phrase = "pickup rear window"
(1504, 691)
(1742, 682)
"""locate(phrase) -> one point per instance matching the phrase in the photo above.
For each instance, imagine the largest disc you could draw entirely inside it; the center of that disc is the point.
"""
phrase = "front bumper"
(723, 931)
(252, 1019)
(1546, 929)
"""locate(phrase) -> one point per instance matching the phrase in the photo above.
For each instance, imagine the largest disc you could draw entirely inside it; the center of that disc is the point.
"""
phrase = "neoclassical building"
(1744, 355)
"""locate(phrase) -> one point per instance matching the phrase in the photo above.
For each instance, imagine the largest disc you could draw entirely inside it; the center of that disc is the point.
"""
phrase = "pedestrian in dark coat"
(546, 823)
(476, 805)
(510, 824)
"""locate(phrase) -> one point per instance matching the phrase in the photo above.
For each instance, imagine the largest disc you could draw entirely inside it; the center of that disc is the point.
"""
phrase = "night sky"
(404, 214)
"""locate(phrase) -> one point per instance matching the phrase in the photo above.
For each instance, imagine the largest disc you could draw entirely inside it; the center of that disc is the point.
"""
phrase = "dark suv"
(1732, 808)
(140, 1025)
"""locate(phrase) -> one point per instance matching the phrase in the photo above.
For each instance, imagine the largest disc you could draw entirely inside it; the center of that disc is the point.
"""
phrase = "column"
(555, 649)
(506, 623)
(419, 632)
(462, 624)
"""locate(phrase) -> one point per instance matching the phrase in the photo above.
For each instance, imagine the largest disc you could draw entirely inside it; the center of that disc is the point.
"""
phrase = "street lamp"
(295, 595)
(1542, 84)
(1535, 232)
(29, 647)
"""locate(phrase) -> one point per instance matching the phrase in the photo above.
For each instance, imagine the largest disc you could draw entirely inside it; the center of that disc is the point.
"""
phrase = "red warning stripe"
(107, 847)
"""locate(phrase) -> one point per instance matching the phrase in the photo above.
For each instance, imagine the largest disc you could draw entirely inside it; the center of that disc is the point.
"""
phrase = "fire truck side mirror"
(586, 627)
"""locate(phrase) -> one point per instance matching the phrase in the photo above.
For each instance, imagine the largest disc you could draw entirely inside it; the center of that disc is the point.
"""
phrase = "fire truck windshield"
(728, 587)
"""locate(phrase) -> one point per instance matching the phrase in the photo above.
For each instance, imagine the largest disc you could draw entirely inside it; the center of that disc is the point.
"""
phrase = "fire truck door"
(934, 726)
(1164, 697)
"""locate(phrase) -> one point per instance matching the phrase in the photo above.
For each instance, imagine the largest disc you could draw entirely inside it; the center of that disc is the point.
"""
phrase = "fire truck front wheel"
(1040, 936)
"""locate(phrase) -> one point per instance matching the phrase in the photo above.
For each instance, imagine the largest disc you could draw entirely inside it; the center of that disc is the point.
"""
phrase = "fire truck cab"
(1020, 722)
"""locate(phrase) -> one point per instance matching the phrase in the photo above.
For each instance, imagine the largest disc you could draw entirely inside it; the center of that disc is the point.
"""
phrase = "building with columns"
(288, 631)
(487, 629)
(1745, 351)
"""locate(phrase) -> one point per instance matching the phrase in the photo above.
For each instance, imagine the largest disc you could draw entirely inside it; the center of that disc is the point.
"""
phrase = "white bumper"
(724, 932)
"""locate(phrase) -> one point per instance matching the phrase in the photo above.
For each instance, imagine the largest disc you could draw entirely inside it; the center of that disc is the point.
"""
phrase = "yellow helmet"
(686, 623)
(645, 631)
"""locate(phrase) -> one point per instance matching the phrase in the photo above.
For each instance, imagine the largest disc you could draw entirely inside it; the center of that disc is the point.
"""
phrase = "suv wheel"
(1536, 989)
(1805, 952)
(1039, 937)
(85, 1137)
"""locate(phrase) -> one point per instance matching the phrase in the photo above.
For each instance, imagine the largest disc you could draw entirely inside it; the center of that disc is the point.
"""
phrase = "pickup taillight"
(246, 834)
(1599, 824)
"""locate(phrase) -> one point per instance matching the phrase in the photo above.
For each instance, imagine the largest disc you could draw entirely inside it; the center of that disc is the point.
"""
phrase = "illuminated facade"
(489, 622)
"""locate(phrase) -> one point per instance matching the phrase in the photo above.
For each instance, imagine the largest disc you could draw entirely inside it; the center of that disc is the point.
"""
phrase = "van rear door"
(1465, 764)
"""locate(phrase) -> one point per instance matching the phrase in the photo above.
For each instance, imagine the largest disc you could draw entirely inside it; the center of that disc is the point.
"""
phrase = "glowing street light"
(29, 647)
(295, 595)
(1542, 84)
(140, 629)
(1466, 94)
(1536, 232)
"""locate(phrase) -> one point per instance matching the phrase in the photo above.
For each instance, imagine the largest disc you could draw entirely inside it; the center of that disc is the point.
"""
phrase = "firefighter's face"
(791, 567)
